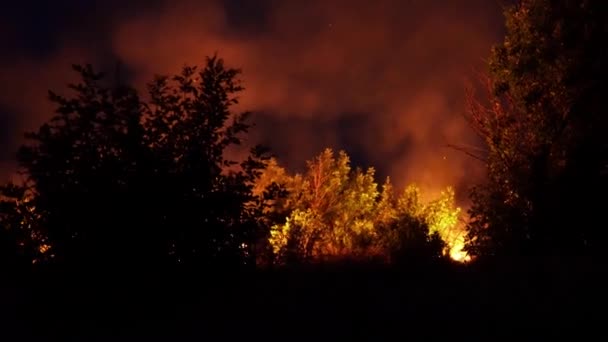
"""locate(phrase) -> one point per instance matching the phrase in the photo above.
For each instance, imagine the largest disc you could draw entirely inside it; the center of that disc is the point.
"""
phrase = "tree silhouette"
(544, 126)
(122, 180)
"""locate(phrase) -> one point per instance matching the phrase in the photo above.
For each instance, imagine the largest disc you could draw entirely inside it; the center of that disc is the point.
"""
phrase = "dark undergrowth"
(323, 302)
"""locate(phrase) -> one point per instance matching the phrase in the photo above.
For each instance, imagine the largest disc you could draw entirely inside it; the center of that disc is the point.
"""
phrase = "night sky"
(383, 80)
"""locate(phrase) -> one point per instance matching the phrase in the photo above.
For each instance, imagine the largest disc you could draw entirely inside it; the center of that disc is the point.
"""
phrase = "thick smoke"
(383, 80)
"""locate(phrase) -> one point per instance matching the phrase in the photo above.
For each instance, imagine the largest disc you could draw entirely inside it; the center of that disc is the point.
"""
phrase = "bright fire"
(457, 253)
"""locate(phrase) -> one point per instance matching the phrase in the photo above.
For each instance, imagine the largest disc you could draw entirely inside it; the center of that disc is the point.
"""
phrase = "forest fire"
(400, 92)
(332, 210)
(302, 170)
(456, 250)
(393, 105)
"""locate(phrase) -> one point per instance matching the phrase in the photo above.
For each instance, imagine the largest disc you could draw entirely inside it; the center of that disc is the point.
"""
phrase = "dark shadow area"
(7, 127)
(315, 303)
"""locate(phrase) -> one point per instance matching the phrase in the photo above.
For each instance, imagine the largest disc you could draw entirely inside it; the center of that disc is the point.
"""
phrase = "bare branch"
(467, 151)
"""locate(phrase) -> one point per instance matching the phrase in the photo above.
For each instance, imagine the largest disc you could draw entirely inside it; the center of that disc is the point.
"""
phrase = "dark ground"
(329, 303)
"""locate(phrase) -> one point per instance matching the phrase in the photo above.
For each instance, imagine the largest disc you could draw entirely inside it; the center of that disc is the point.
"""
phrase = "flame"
(458, 254)
(455, 244)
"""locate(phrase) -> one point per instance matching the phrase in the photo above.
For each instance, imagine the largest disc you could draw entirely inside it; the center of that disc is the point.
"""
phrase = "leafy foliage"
(123, 180)
(22, 238)
(544, 129)
(330, 209)
(333, 211)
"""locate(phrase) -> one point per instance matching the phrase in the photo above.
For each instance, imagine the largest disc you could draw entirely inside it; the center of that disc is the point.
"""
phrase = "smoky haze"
(383, 80)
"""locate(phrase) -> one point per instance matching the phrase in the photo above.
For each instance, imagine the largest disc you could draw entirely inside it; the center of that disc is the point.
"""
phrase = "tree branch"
(467, 151)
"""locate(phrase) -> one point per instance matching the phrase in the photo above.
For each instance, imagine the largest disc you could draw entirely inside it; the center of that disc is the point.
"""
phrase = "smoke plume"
(383, 80)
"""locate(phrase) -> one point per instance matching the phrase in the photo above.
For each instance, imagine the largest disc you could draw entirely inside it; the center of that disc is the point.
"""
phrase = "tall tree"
(544, 126)
(329, 209)
(122, 180)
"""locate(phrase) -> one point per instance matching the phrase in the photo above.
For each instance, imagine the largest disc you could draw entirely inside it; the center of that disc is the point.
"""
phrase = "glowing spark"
(44, 248)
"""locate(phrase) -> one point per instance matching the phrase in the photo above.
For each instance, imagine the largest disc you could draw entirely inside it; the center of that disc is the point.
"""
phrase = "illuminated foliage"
(22, 234)
(333, 211)
(440, 215)
(330, 209)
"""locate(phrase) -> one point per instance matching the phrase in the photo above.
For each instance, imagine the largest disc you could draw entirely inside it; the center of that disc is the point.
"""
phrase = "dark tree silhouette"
(122, 180)
(544, 127)
(413, 243)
